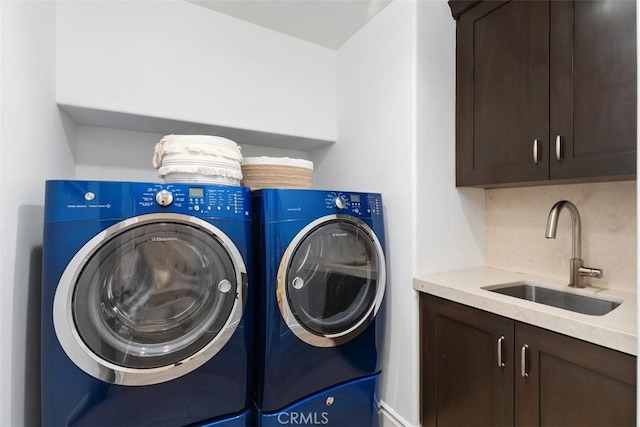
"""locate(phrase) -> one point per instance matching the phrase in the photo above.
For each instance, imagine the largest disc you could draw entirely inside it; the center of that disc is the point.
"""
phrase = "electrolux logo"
(304, 418)
(163, 239)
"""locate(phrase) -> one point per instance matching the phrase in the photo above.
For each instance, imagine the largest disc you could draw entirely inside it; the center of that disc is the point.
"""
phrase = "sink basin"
(556, 298)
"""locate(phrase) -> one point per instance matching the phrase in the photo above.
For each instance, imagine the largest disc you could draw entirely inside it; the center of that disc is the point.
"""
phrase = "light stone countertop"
(616, 329)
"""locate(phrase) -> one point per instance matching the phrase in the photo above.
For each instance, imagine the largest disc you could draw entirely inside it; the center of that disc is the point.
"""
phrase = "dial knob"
(164, 197)
(340, 202)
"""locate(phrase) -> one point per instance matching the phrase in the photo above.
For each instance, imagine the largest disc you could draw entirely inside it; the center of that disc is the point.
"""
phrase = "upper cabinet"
(593, 88)
(546, 91)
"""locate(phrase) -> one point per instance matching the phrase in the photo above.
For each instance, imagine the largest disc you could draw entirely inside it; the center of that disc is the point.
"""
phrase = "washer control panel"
(76, 200)
(197, 200)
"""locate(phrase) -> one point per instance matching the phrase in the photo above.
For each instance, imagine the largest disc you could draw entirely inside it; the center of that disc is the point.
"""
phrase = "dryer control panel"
(295, 204)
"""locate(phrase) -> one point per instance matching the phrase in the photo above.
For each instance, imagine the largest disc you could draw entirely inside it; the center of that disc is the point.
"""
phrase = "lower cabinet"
(478, 368)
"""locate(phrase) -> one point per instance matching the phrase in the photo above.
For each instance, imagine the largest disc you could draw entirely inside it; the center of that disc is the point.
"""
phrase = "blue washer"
(146, 304)
(320, 283)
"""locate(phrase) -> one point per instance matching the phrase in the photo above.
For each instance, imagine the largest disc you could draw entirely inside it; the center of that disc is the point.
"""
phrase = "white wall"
(396, 135)
(449, 220)
(34, 141)
(177, 60)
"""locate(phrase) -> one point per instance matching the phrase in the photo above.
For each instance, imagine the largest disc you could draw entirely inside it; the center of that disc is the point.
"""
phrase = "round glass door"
(149, 296)
(331, 280)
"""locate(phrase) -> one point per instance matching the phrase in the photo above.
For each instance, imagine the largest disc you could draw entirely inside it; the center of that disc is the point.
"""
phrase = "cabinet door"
(462, 383)
(502, 102)
(570, 382)
(593, 88)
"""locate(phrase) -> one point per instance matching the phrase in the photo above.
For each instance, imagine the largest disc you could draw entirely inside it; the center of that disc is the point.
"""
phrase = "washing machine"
(320, 285)
(146, 305)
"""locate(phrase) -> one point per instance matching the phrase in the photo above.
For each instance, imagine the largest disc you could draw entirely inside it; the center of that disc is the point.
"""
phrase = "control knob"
(340, 202)
(164, 197)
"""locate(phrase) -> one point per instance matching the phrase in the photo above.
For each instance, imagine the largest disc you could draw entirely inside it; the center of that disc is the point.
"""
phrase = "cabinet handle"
(536, 143)
(558, 148)
(523, 361)
(500, 362)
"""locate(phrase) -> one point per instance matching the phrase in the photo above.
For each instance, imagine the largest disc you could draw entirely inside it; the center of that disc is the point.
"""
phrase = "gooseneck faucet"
(577, 270)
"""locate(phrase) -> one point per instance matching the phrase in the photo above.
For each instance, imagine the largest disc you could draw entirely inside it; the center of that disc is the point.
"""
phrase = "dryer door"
(150, 299)
(331, 280)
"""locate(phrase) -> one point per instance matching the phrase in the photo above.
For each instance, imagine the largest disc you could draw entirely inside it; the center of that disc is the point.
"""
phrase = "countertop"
(616, 330)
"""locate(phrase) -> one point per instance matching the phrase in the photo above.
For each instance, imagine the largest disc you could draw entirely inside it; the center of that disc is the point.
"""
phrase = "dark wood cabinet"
(502, 92)
(593, 88)
(462, 381)
(478, 368)
(533, 74)
(562, 381)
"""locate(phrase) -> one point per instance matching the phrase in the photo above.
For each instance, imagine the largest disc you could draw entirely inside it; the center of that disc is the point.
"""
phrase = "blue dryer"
(320, 280)
(146, 317)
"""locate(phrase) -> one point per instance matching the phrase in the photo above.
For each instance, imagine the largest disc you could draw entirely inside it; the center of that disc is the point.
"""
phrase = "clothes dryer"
(321, 277)
(146, 316)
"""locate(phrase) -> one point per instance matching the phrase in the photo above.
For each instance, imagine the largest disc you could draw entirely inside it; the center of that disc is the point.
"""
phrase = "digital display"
(196, 192)
(355, 198)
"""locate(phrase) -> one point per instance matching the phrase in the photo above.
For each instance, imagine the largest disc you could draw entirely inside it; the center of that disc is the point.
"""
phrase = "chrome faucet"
(577, 270)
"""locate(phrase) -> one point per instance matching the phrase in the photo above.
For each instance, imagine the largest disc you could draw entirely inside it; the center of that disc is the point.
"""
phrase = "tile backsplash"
(516, 220)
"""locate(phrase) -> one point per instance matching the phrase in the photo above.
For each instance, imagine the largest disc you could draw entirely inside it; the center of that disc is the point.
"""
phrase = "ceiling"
(328, 23)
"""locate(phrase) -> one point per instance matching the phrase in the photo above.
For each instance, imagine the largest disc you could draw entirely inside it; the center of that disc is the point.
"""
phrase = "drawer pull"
(523, 361)
(501, 364)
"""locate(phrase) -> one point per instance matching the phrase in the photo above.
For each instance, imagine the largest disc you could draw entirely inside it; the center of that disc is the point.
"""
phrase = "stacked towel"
(198, 158)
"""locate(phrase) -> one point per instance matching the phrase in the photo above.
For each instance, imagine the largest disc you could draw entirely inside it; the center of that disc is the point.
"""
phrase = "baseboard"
(390, 418)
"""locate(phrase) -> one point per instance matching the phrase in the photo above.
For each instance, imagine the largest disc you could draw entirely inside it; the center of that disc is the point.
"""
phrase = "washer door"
(150, 299)
(331, 280)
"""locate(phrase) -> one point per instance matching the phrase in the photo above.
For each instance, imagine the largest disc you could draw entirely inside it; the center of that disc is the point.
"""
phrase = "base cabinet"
(562, 381)
(478, 368)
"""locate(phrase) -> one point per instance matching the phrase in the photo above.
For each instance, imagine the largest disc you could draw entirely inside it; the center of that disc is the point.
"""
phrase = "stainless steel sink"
(594, 306)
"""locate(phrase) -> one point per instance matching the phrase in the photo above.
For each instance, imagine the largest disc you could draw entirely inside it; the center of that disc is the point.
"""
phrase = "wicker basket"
(276, 172)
